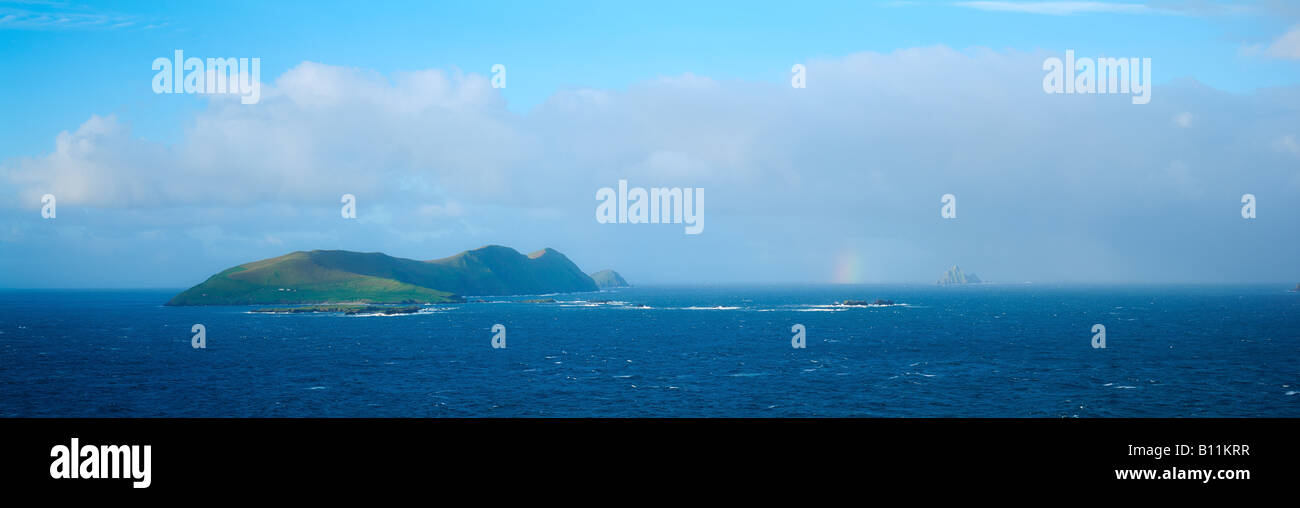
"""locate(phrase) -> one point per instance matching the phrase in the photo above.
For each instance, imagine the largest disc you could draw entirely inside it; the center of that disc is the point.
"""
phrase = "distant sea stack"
(1296, 289)
(339, 276)
(954, 276)
(609, 279)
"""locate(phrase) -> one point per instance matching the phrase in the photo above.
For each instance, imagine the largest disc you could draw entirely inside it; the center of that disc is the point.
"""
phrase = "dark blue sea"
(976, 351)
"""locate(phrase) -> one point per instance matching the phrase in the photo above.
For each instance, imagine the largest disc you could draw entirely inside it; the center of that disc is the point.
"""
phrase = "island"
(609, 279)
(954, 276)
(371, 278)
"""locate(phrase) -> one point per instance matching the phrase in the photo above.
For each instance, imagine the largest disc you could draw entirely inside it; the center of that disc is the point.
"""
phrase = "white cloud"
(321, 131)
(94, 164)
(55, 16)
(438, 164)
(1286, 46)
(1060, 8)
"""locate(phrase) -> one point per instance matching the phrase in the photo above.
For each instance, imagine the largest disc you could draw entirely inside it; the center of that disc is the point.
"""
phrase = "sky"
(839, 181)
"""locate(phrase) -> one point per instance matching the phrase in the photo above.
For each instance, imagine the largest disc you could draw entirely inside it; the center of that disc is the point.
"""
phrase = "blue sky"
(580, 73)
(553, 46)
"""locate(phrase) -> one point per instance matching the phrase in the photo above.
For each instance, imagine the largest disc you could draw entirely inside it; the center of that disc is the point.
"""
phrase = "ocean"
(972, 351)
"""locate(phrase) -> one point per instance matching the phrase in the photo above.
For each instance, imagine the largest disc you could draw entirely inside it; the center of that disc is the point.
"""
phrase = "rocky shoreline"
(350, 310)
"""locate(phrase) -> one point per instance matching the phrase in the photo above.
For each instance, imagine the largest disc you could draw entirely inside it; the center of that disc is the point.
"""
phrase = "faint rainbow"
(848, 269)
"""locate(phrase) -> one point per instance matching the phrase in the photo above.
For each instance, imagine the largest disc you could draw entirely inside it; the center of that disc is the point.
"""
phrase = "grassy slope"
(261, 283)
(343, 276)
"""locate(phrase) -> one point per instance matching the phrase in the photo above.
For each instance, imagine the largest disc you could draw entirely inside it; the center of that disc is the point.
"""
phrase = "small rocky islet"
(863, 303)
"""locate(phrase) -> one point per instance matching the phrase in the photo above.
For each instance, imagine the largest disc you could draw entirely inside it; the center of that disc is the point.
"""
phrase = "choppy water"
(669, 351)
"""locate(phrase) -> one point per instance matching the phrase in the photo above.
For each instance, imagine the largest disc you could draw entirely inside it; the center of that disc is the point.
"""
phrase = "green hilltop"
(338, 276)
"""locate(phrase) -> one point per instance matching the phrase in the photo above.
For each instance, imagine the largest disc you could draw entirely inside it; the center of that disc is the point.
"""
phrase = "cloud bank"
(1049, 187)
